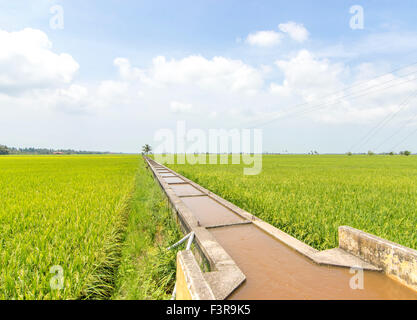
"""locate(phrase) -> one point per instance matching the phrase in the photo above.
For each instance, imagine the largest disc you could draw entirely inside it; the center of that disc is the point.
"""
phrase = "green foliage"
(146, 149)
(148, 269)
(67, 211)
(4, 150)
(310, 198)
(405, 153)
(44, 151)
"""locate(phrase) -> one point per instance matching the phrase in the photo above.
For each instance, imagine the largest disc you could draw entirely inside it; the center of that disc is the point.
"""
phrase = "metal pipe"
(181, 241)
(190, 241)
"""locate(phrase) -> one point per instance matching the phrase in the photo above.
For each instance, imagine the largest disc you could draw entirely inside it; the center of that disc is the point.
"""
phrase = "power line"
(337, 98)
(345, 89)
(384, 122)
(354, 97)
(404, 125)
(322, 105)
(402, 141)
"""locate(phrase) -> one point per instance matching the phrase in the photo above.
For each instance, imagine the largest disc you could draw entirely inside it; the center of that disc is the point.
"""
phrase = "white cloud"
(219, 89)
(269, 38)
(216, 74)
(309, 77)
(28, 62)
(214, 86)
(213, 114)
(113, 91)
(180, 107)
(336, 94)
(127, 72)
(73, 99)
(281, 90)
(75, 93)
(264, 38)
(295, 30)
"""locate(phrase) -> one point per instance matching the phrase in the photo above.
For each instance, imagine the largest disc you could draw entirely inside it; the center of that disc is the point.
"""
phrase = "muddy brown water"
(167, 174)
(184, 189)
(173, 180)
(209, 212)
(274, 270)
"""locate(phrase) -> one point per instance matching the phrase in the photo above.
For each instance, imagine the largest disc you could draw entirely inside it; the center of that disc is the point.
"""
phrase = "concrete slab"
(222, 282)
(396, 260)
(191, 284)
(228, 225)
(340, 258)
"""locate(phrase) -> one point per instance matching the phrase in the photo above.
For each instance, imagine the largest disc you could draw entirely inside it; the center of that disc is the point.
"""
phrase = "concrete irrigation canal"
(238, 256)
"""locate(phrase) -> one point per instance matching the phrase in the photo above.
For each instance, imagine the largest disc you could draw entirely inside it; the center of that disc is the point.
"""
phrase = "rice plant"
(62, 220)
(309, 197)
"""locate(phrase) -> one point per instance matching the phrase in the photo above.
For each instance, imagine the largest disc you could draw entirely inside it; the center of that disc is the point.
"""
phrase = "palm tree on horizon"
(146, 149)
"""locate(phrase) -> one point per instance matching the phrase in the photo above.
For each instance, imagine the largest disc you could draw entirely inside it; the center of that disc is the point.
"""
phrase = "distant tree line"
(43, 151)
(4, 150)
(371, 153)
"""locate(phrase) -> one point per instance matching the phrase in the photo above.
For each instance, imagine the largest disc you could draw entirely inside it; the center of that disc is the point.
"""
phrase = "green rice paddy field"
(104, 221)
(64, 211)
(309, 197)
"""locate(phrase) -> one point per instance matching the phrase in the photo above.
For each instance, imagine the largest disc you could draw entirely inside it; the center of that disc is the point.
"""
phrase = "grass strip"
(147, 270)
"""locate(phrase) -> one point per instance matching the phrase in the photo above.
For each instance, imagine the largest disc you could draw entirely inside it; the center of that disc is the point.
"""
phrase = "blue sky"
(114, 94)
